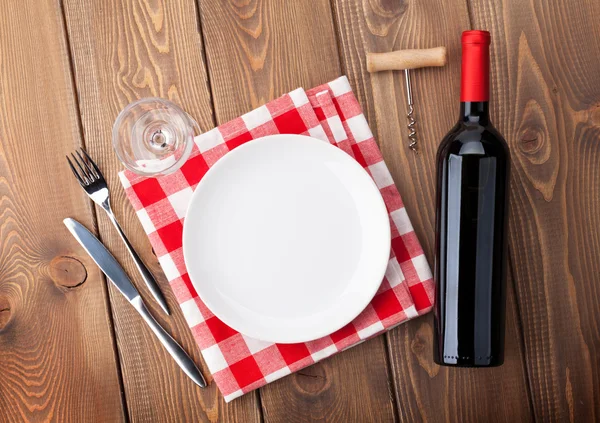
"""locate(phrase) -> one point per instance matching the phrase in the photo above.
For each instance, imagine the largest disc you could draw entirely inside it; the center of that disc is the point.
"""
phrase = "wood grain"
(57, 356)
(546, 87)
(122, 51)
(256, 51)
(348, 387)
(424, 390)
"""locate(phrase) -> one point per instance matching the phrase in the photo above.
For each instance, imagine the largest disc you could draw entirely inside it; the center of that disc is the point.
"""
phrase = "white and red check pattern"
(331, 113)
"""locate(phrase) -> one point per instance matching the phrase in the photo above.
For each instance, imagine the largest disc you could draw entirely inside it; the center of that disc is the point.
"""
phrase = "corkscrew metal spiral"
(412, 132)
(412, 123)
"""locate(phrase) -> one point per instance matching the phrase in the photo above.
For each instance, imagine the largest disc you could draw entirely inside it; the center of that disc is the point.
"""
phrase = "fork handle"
(146, 275)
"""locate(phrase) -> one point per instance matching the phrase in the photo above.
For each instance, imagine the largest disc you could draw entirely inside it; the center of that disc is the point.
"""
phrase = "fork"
(91, 180)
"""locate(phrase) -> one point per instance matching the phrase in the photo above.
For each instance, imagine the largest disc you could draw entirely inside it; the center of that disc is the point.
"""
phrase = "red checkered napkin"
(238, 363)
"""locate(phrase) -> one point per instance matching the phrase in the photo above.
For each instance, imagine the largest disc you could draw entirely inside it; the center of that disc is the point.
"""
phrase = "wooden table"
(72, 349)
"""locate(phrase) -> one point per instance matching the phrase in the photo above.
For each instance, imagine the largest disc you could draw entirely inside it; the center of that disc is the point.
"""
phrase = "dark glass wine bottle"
(473, 164)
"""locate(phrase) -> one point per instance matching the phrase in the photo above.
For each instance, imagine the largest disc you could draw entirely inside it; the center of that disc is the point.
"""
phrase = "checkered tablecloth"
(331, 113)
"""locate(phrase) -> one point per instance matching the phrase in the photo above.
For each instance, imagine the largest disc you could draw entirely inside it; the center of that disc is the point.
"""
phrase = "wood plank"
(351, 386)
(57, 356)
(546, 87)
(125, 50)
(256, 51)
(424, 390)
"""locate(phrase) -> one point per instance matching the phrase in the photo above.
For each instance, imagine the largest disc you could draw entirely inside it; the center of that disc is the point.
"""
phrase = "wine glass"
(153, 136)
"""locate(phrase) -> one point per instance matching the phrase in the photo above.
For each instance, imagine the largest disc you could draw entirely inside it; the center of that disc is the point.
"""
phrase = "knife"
(113, 270)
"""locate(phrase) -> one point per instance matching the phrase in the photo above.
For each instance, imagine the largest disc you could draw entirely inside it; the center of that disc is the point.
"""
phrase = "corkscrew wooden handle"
(406, 59)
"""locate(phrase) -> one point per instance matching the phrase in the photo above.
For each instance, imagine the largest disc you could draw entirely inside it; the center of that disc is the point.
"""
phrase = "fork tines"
(88, 171)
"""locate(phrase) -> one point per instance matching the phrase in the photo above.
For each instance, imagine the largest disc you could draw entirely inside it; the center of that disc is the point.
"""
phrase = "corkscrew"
(412, 123)
(406, 60)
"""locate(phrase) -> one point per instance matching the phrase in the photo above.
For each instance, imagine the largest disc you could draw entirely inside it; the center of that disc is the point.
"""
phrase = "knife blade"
(113, 270)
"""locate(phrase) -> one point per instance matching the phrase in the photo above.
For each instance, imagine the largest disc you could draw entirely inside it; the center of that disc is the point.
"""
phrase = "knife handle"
(177, 352)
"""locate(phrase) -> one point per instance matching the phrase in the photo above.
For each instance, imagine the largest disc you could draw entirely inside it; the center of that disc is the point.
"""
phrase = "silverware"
(113, 270)
(91, 180)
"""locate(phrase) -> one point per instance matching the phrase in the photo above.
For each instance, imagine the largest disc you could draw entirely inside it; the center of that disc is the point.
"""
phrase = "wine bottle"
(473, 164)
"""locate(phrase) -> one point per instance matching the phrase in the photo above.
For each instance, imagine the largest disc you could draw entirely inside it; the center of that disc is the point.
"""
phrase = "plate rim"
(382, 267)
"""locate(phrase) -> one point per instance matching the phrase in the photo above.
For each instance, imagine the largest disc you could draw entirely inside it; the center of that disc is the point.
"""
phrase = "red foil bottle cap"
(475, 76)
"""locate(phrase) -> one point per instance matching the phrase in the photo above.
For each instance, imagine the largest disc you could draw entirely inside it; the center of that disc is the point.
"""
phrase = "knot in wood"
(533, 134)
(5, 312)
(530, 140)
(392, 7)
(421, 347)
(312, 380)
(67, 272)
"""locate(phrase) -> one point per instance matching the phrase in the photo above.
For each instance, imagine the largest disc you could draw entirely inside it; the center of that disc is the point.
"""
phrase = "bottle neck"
(475, 112)
(475, 67)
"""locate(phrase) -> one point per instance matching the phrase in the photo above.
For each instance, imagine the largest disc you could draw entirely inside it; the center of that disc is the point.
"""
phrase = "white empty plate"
(286, 239)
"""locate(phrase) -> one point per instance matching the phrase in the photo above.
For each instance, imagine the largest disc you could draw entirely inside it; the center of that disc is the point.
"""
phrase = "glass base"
(153, 136)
